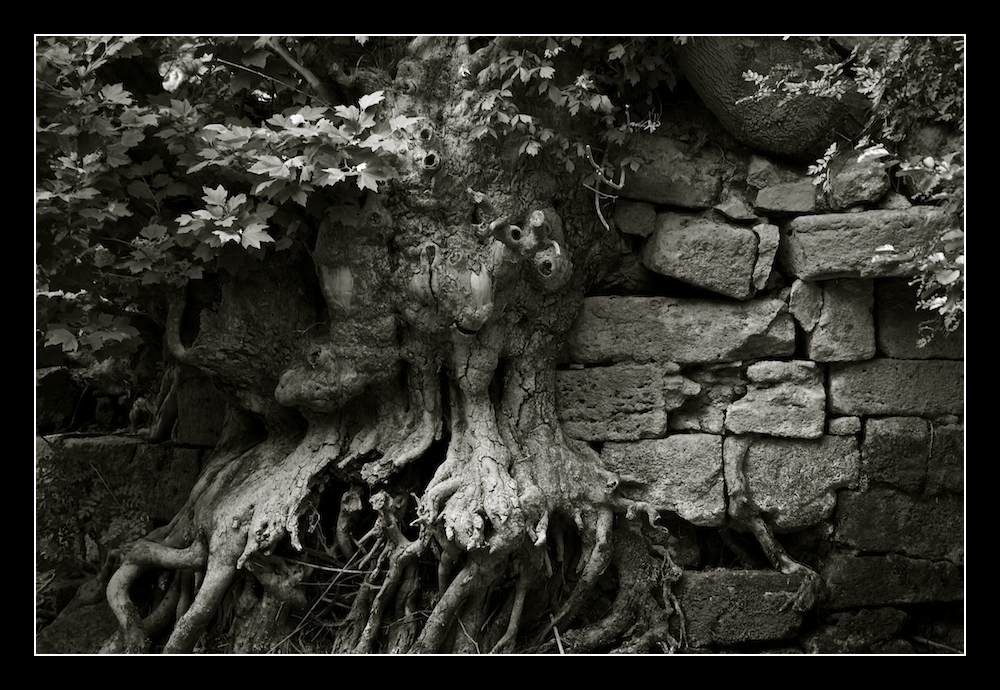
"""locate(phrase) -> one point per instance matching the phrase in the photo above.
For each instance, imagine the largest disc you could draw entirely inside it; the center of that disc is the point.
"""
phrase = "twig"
(555, 630)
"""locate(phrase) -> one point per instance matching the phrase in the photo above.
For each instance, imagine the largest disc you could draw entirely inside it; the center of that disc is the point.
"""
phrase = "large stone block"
(681, 473)
(704, 252)
(612, 403)
(642, 329)
(903, 387)
(794, 481)
(900, 325)
(883, 519)
(895, 451)
(854, 581)
(726, 607)
(675, 174)
(843, 245)
(783, 399)
(845, 328)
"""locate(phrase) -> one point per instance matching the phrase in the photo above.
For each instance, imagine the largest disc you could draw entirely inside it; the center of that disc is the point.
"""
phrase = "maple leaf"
(254, 234)
(215, 197)
(371, 99)
(62, 337)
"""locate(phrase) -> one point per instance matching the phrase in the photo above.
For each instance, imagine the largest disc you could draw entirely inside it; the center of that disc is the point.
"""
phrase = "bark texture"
(409, 441)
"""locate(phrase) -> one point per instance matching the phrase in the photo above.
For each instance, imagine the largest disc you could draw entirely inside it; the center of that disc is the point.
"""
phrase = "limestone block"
(854, 581)
(681, 473)
(703, 252)
(896, 451)
(845, 330)
(843, 245)
(882, 519)
(635, 217)
(794, 481)
(854, 182)
(726, 607)
(788, 197)
(642, 329)
(768, 241)
(672, 173)
(905, 387)
(612, 403)
(783, 399)
(899, 325)
(705, 411)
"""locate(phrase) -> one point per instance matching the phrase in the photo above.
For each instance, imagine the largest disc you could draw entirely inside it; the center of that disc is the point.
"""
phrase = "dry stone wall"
(749, 322)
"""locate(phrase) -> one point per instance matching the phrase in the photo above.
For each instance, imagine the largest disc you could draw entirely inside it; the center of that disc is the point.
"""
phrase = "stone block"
(856, 632)
(642, 329)
(635, 217)
(845, 330)
(854, 182)
(843, 245)
(882, 519)
(783, 399)
(727, 607)
(901, 387)
(705, 411)
(795, 482)
(895, 451)
(876, 580)
(673, 173)
(843, 426)
(612, 403)
(900, 325)
(681, 473)
(768, 241)
(703, 252)
(788, 197)
(946, 467)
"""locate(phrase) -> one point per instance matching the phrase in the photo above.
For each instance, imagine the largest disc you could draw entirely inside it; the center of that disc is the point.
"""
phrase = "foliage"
(606, 78)
(909, 81)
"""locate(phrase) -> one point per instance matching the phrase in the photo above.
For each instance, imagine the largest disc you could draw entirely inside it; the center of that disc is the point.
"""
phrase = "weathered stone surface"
(854, 182)
(904, 387)
(703, 252)
(795, 482)
(673, 173)
(882, 519)
(726, 607)
(635, 217)
(788, 197)
(842, 245)
(899, 325)
(641, 329)
(946, 466)
(853, 581)
(681, 473)
(783, 399)
(856, 632)
(734, 207)
(805, 303)
(763, 172)
(843, 426)
(705, 411)
(612, 403)
(845, 330)
(768, 240)
(895, 451)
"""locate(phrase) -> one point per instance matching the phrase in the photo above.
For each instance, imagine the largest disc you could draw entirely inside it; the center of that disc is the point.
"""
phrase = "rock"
(895, 451)
(783, 399)
(897, 387)
(642, 329)
(703, 252)
(788, 197)
(612, 403)
(635, 217)
(674, 174)
(768, 240)
(887, 580)
(705, 411)
(900, 322)
(855, 182)
(805, 303)
(845, 330)
(726, 607)
(794, 481)
(883, 519)
(843, 426)
(856, 632)
(845, 245)
(681, 473)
